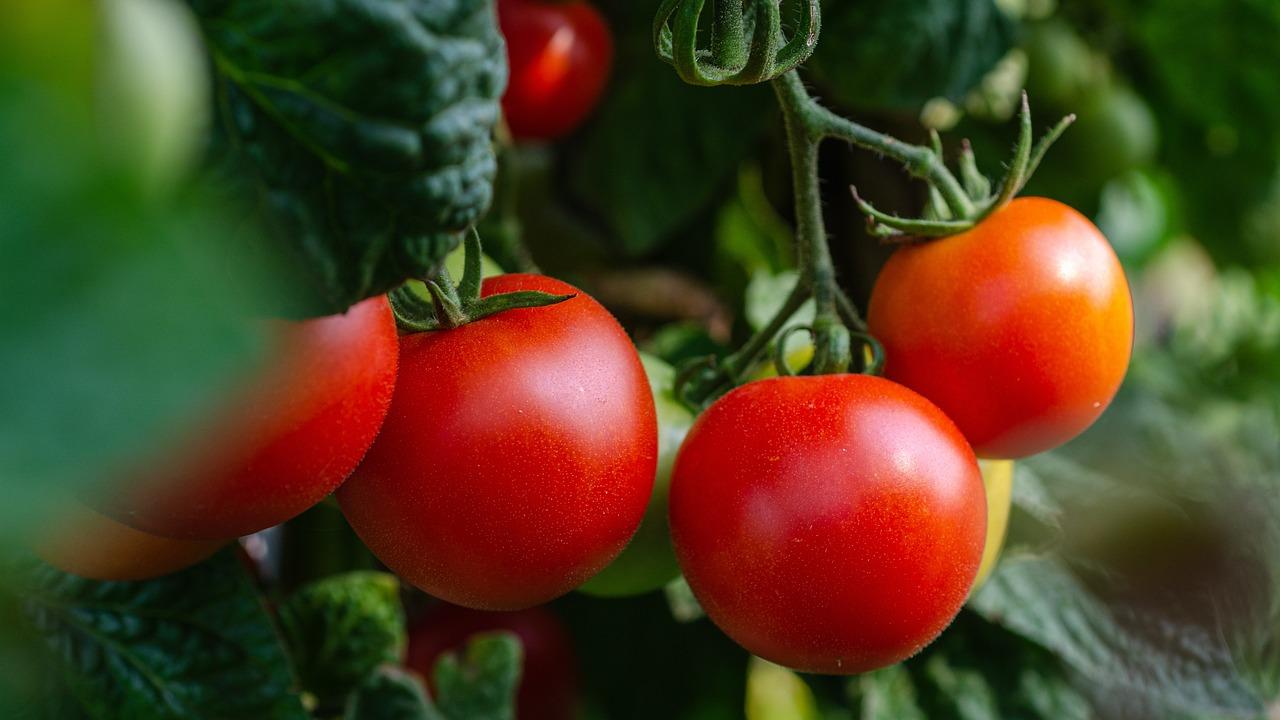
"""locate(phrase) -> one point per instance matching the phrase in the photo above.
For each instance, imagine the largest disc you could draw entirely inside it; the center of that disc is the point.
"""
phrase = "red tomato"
(518, 456)
(560, 54)
(831, 524)
(284, 442)
(549, 677)
(1019, 329)
(87, 543)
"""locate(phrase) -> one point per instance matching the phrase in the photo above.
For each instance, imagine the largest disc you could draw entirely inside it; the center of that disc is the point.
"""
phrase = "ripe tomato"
(287, 439)
(549, 677)
(560, 54)
(649, 562)
(518, 455)
(87, 543)
(831, 524)
(1019, 329)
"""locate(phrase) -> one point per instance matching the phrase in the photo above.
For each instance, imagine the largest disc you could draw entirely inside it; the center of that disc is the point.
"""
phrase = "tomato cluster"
(829, 523)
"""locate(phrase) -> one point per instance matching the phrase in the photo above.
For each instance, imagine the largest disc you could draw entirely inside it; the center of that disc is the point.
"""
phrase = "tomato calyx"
(942, 218)
(448, 305)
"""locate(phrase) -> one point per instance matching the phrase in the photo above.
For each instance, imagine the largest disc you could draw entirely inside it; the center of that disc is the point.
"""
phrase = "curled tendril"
(746, 43)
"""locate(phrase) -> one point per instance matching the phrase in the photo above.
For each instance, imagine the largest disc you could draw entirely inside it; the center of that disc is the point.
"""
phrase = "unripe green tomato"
(649, 562)
(153, 88)
(1115, 132)
(1060, 66)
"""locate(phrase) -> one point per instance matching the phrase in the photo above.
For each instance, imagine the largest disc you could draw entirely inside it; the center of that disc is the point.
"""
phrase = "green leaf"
(776, 693)
(361, 128)
(193, 645)
(897, 55)
(1158, 582)
(390, 693)
(341, 628)
(481, 685)
(886, 694)
(659, 151)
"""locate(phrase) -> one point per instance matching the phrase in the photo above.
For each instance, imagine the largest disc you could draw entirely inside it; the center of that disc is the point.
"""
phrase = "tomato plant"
(829, 524)
(282, 443)
(560, 54)
(649, 562)
(518, 456)
(548, 687)
(1027, 328)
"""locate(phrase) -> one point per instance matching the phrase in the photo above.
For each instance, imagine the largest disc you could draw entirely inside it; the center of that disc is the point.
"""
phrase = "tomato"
(549, 677)
(84, 542)
(1061, 67)
(830, 524)
(1019, 329)
(560, 54)
(997, 477)
(1116, 131)
(649, 562)
(283, 443)
(518, 456)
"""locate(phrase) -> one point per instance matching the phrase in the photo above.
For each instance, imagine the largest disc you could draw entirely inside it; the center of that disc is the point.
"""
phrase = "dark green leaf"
(362, 129)
(481, 685)
(659, 151)
(390, 693)
(189, 646)
(341, 628)
(896, 55)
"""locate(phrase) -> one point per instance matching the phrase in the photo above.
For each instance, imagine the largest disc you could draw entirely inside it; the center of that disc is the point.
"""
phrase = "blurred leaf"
(887, 54)
(480, 685)
(366, 164)
(1159, 589)
(886, 694)
(658, 151)
(123, 316)
(390, 693)
(197, 644)
(341, 628)
(776, 693)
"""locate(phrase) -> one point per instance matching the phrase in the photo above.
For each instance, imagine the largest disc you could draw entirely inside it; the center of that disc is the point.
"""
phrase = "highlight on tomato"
(560, 54)
(1020, 329)
(518, 456)
(830, 524)
(549, 681)
(280, 444)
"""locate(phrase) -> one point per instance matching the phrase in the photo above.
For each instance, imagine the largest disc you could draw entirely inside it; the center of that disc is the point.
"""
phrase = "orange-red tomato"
(87, 543)
(281, 444)
(518, 456)
(831, 524)
(1019, 329)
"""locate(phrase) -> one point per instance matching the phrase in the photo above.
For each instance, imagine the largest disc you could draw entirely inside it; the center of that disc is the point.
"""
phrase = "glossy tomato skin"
(549, 683)
(1020, 329)
(284, 442)
(560, 54)
(831, 524)
(518, 456)
(84, 542)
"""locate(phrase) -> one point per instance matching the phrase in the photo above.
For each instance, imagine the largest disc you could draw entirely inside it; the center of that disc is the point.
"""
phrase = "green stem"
(830, 336)
(922, 162)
